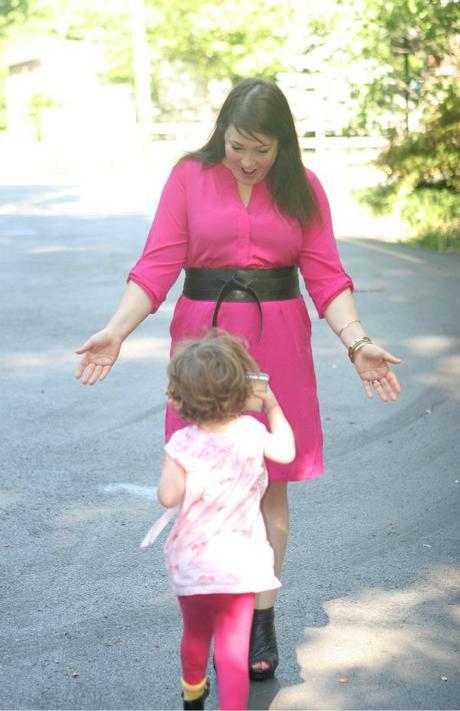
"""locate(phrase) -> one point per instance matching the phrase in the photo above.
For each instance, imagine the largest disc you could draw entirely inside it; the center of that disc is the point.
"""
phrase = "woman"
(241, 215)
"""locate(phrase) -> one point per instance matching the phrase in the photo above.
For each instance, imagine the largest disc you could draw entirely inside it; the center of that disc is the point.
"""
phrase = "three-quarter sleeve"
(166, 246)
(320, 265)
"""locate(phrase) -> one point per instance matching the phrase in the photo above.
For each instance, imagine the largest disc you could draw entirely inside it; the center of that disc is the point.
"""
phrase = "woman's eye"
(236, 148)
(262, 153)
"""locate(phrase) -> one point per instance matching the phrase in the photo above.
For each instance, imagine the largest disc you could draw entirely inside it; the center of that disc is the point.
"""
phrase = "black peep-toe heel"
(263, 647)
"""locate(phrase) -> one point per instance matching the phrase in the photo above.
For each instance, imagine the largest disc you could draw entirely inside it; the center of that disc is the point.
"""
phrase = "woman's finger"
(89, 369)
(105, 370)
(85, 347)
(391, 358)
(78, 371)
(80, 368)
(386, 385)
(368, 389)
(393, 382)
(379, 390)
(95, 374)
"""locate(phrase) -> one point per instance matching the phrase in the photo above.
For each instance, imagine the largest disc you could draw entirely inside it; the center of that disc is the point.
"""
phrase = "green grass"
(433, 218)
(438, 241)
(431, 214)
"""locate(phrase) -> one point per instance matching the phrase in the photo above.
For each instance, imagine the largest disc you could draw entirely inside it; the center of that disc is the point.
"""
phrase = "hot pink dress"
(218, 543)
(202, 222)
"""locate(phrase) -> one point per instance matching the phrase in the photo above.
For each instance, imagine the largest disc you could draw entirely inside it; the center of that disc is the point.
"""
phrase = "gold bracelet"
(355, 320)
(358, 347)
(357, 344)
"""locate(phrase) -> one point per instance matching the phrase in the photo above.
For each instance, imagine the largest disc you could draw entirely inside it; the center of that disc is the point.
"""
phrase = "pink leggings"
(227, 618)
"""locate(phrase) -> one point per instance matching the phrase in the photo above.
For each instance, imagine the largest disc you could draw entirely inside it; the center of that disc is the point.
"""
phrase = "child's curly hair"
(208, 377)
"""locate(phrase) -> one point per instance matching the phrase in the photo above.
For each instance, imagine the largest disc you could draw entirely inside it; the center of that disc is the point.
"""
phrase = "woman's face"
(249, 157)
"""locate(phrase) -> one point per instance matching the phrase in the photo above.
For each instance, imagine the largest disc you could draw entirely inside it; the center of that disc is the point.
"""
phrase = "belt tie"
(235, 284)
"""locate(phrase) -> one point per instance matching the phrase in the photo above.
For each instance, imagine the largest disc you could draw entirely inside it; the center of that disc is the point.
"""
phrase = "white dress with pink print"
(218, 543)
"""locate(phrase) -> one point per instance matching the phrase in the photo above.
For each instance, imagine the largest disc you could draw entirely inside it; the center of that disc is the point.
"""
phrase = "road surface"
(369, 606)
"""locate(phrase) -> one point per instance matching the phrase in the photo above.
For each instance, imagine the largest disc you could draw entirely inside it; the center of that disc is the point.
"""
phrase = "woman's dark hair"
(208, 377)
(256, 106)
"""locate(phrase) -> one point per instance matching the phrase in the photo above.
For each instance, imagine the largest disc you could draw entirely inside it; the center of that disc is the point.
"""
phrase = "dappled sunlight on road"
(385, 249)
(87, 513)
(133, 350)
(57, 248)
(83, 515)
(146, 349)
(22, 359)
(104, 193)
(431, 345)
(380, 634)
(445, 376)
(37, 199)
(445, 373)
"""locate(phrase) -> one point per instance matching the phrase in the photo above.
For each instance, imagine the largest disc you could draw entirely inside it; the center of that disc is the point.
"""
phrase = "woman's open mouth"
(249, 173)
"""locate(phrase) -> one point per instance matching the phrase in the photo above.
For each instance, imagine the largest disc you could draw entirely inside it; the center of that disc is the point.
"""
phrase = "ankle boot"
(263, 647)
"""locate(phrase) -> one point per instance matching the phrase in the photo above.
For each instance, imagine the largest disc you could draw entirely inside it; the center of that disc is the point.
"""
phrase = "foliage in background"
(404, 57)
(430, 155)
(408, 92)
(401, 54)
(38, 102)
(11, 13)
(3, 76)
(103, 22)
(193, 41)
(204, 42)
(231, 39)
(433, 217)
(423, 177)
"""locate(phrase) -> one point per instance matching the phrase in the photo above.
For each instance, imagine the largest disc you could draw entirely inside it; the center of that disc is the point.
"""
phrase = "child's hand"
(279, 443)
(268, 398)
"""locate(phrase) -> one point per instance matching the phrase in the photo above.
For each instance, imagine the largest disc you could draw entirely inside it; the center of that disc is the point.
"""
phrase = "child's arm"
(280, 443)
(171, 486)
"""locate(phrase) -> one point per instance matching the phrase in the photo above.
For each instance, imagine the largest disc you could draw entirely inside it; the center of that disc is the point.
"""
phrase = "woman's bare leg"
(276, 516)
(275, 511)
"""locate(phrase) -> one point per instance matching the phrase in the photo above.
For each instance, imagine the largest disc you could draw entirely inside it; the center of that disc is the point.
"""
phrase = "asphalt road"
(368, 612)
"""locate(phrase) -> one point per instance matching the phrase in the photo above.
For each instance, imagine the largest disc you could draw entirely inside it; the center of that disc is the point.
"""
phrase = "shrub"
(433, 217)
(423, 178)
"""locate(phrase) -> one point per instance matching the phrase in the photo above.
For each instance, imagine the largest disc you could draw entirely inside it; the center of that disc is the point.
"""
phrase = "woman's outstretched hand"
(100, 353)
(372, 364)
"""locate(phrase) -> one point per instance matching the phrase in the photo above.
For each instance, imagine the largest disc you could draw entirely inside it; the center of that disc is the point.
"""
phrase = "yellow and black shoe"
(194, 695)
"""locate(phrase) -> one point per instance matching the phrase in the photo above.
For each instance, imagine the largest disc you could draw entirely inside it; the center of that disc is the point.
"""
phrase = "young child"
(217, 553)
